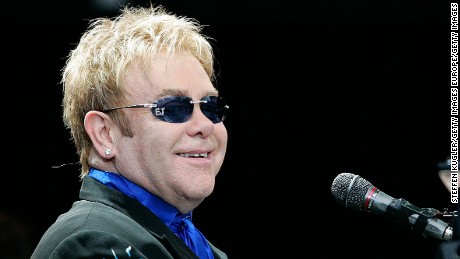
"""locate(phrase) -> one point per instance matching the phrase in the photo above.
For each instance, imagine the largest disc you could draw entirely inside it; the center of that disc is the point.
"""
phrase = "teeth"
(205, 155)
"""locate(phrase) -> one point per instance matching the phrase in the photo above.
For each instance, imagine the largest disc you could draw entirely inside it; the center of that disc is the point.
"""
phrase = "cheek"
(157, 137)
(152, 149)
(152, 138)
(222, 136)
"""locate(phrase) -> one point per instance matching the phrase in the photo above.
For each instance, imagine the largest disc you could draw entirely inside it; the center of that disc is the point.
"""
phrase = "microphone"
(352, 191)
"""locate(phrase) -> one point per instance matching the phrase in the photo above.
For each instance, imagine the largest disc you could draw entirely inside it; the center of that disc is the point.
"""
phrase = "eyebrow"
(176, 92)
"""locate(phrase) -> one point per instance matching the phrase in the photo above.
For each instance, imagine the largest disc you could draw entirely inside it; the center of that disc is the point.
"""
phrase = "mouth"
(194, 155)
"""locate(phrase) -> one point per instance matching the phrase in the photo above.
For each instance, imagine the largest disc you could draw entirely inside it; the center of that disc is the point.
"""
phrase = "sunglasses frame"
(158, 112)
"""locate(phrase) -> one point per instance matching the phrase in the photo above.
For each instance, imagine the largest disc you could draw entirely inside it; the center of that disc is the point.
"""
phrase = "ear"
(98, 126)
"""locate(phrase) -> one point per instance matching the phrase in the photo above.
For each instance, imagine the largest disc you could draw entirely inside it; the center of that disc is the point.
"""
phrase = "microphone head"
(350, 190)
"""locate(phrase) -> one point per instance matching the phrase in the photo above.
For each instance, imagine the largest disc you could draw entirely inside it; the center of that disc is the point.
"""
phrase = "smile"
(202, 155)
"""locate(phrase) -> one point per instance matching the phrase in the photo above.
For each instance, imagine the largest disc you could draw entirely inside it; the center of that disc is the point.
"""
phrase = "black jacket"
(105, 223)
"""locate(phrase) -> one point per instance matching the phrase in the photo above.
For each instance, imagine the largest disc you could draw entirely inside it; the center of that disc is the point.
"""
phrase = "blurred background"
(315, 89)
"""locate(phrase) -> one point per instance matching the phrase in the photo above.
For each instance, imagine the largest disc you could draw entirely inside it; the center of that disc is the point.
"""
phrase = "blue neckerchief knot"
(180, 224)
(183, 227)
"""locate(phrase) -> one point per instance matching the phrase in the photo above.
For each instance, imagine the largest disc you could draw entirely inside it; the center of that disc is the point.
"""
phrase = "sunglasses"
(178, 109)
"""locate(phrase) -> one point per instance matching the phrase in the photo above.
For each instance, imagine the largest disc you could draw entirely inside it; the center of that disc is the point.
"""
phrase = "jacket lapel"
(92, 190)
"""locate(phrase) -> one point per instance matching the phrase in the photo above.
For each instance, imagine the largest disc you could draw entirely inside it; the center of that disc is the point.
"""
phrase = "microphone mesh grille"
(350, 190)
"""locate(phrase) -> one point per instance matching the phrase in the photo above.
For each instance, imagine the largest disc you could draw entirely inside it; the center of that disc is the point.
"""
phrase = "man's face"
(163, 157)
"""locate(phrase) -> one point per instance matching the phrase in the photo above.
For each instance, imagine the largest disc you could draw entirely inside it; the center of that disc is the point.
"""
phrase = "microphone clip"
(424, 221)
(447, 216)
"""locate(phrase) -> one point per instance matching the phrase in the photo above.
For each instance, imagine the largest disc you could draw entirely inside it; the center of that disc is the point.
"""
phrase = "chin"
(201, 191)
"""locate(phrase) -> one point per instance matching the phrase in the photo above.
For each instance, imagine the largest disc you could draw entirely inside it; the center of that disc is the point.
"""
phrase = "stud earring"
(108, 151)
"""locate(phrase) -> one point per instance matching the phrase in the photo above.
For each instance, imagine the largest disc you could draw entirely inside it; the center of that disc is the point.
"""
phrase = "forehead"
(181, 74)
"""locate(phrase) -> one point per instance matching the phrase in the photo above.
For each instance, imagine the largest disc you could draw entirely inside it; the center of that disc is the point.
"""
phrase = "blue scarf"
(180, 224)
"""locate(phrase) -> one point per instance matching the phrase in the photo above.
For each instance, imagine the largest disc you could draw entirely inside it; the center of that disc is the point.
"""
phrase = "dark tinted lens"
(214, 109)
(176, 109)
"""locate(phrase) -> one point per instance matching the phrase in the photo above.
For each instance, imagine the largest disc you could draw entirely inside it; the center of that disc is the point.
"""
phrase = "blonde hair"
(94, 74)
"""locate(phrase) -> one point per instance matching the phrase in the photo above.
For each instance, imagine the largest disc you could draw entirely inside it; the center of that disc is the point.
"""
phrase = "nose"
(199, 124)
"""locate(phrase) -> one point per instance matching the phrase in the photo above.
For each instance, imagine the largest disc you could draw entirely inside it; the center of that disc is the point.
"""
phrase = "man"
(146, 120)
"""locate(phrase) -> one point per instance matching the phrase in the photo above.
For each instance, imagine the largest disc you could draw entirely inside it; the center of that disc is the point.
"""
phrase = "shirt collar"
(158, 206)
